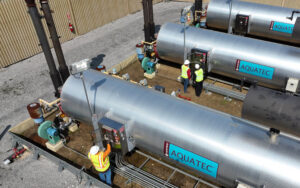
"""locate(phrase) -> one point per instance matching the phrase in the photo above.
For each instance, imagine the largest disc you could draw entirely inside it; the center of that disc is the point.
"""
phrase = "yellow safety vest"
(199, 75)
(98, 162)
(184, 70)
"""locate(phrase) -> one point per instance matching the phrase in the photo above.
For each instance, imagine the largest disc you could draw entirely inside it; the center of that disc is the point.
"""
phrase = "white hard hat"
(94, 150)
(197, 66)
(187, 62)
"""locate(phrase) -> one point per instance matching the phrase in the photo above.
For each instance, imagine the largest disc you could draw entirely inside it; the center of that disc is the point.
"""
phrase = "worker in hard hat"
(198, 80)
(100, 159)
(185, 74)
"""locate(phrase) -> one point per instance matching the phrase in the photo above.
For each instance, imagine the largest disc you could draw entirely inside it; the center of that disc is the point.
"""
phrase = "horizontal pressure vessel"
(269, 64)
(273, 109)
(223, 148)
(263, 20)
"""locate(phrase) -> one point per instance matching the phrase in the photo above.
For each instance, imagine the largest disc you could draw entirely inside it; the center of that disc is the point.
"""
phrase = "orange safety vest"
(98, 162)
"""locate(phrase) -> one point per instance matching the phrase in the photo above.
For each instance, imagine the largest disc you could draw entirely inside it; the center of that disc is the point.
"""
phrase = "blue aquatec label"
(282, 27)
(255, 69)
(192, 160)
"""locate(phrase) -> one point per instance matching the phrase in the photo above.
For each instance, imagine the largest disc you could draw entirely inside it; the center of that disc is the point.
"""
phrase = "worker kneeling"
(198, 80)
(100, 160)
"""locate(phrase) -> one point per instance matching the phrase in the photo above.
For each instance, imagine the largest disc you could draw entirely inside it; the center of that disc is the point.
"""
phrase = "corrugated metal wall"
(90, 14)
(17, 34)
(18, 39)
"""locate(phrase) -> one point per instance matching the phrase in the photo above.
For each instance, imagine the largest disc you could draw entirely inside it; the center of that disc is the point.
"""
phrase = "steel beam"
(63, 69)
(149, 26)
(37, 23)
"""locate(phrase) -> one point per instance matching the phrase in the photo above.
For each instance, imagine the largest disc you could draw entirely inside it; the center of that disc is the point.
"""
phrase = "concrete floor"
(28, 80)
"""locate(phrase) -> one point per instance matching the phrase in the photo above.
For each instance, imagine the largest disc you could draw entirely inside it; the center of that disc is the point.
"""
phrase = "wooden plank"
(23, 126)
(123, 64)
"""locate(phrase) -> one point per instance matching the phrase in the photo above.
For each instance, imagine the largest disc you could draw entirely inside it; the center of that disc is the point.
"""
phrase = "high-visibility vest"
(98, 162)
(184, 70)
(199, 75)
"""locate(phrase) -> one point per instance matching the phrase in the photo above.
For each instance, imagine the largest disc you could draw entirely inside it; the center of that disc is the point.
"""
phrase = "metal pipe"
(292, 16)
(4, 131)
(81, 154)
(176, 169)
(151, 19)
(63, 69)
(36, 19)
(198, 8)
(142, 172)
(229, 23)
(227, 82)
(184, 41)
(270, 22)
(198, 5)
(56, 159)
(149, 27)
(229, 149)
(228, 93)
(146, 21)
(93, 115)
(86, 95)
(268, 64)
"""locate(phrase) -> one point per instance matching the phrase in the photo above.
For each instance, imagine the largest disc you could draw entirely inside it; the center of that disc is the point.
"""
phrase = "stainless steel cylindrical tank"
(263, 20)
(269, 64)
(273, 109)
(223, 148)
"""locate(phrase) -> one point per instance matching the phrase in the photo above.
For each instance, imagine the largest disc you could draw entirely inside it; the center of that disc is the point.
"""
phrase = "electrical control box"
(114, 133)
(200, 57)
(241, 24)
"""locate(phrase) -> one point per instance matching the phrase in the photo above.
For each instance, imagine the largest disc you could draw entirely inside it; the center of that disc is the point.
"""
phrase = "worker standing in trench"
(185, 74)
(100, 159)
(198, 80)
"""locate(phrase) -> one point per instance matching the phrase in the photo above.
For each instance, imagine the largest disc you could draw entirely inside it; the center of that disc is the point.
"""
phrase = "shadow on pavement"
(96, 61)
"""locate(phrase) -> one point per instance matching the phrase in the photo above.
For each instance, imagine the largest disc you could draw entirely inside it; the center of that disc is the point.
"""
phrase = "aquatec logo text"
(254, 69)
